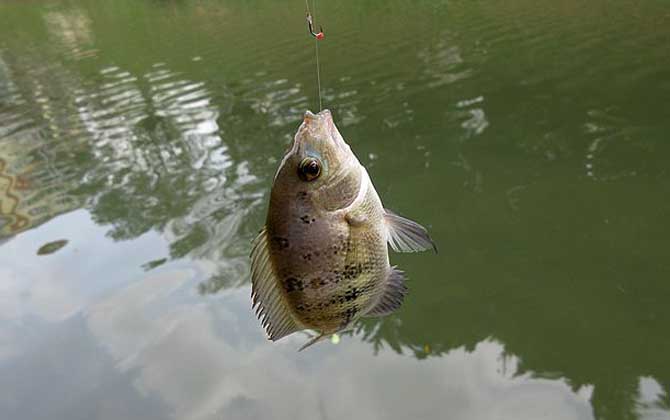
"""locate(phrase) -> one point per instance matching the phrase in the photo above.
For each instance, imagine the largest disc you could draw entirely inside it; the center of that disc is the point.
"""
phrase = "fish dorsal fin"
(392, 296)
(267, 296)
(405, 235)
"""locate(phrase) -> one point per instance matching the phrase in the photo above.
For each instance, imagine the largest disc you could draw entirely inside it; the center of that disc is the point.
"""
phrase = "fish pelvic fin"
(405, 235)
(314, 340)
(392, 296)
(266, 292)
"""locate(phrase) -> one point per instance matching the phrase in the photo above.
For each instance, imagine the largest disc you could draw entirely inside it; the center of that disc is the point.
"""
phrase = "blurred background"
(138, 141)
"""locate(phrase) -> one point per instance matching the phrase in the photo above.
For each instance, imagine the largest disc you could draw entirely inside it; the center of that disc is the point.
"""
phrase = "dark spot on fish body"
(306, 219)
(352, 271)
(367, 266)
(337, 276)
(349, 315)
(279, 243)
(333, 249)
(292, 284)
(352, 294)
(316, 253)
(301, 195)
(304, 307)
(316, 283)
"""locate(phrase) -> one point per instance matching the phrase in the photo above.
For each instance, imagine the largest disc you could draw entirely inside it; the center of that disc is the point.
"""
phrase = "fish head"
(321, 163)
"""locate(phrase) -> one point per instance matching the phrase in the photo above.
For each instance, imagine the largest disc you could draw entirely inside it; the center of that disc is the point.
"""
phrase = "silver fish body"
(321, 262)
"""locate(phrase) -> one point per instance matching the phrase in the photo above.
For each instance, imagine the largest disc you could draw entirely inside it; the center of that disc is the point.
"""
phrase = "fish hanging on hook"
(322, 261)
(310, 25)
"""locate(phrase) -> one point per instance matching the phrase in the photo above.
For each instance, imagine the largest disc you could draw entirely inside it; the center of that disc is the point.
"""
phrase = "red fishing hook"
(310, 25)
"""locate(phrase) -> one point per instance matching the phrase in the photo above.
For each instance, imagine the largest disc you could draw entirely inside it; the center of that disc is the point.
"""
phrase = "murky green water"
(138, 140)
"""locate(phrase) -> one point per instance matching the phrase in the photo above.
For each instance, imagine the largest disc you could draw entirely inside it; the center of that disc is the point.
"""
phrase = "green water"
(138, 140)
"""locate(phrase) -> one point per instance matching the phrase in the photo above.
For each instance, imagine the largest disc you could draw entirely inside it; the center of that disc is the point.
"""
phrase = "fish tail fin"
(314, 340)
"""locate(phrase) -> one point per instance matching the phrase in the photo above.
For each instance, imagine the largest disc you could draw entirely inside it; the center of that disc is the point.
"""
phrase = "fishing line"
(317, 37)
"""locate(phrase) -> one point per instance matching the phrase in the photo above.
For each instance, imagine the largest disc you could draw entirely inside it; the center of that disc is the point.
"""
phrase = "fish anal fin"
(314, 340)
(405, 235)
(392, 296)
(267, 296)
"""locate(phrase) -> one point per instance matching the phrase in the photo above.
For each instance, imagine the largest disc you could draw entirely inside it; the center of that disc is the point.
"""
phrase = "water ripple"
(72, 30)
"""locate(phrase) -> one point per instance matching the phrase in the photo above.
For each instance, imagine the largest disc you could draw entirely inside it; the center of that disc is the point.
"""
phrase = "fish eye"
(309, 169)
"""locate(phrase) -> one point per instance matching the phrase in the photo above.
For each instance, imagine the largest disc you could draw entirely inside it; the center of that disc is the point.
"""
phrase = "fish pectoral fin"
(392, 296)
(405, 235)
(266, 294)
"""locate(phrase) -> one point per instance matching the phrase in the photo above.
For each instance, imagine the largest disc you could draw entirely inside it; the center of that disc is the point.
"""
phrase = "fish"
(321, 261)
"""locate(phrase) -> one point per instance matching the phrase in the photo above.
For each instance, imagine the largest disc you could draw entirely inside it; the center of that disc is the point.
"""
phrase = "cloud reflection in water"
(211, 358)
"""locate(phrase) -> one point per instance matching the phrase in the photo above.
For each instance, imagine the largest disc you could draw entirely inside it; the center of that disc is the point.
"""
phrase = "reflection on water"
(653, 402)
(72, 30)
(35, 172)
(443, 63)
(134, 167)
(51, 247)
(143, 137)
(163, 165)
(476, 121)
(165, 350)
(230, 372)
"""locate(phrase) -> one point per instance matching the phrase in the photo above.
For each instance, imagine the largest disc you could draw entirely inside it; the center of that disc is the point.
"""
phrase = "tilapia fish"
(321, 261)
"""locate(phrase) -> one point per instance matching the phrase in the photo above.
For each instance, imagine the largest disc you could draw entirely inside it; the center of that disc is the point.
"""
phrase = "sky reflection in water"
(204, 358)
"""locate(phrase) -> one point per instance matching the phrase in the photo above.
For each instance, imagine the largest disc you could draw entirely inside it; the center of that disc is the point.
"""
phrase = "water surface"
(138, 140)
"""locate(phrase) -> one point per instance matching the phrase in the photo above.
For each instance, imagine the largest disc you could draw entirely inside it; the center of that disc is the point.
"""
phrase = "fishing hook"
(310, 25)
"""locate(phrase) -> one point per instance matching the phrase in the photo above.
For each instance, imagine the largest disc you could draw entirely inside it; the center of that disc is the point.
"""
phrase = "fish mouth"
(323, 116)
(316, 126)
(318, 129)
(321, 122)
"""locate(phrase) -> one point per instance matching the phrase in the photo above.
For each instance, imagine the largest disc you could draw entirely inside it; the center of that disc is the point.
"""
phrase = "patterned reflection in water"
(229, 372)
(343, 101)
(443, 63)
(282, 102)
(72, 29)
(163, 165)
(472, 111)
(609, 135)
(38, 142)
(10, 100)
(142, 152)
